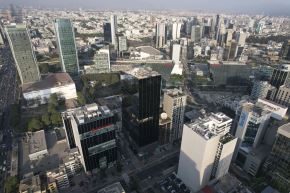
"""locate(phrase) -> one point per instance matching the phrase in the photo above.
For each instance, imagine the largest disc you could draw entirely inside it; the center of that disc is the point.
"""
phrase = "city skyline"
(279, 7)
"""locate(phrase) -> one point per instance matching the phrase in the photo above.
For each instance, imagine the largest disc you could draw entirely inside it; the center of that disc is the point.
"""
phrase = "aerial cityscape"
(144, 96)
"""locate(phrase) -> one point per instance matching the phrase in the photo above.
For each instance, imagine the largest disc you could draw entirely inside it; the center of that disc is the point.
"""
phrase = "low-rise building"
(57, 83)
(31, 185)
(37, 145)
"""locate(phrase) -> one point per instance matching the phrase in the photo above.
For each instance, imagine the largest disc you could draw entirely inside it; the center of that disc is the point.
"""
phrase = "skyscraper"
(196, 33)
(280, 76)
(206, 150)
(176, 49)
(102, 60)
(114, 29)
(92, 129)
(141, 106)
(23, 54)
(122, 43)
(174, 103)
(107, 32)
(66, 45)
(286, 50)
(176, 27)
(251, 128)
(260, 90)
(160, 36)
(278, 165)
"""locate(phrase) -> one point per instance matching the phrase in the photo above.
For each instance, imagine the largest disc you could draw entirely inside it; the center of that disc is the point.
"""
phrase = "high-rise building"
(280, 76)
(164, 129)
(241, 38)
(107, 32)
(278, 165)
(66, 46)
(122, 43)
(196, 33)
(176, 27)
(161, 35)
(261, 90)
(206, 150)
(92, 130)
(283, 95)
(286, 51)
(174, 103)
(176, 49)
(114, 29)
(102, 60)
(251, 128)
(141, 107)
(23, 54)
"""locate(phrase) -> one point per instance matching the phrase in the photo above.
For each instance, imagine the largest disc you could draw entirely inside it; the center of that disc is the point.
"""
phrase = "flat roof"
(113, 188)
(174, 93)
(211, 125)
(52, 80)
(37, 142)
(142, 73)
(285, 130)
(149, 50)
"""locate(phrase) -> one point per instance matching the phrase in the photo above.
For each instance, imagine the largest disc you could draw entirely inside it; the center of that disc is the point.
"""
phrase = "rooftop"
(31, 184)
(149, 50)
(52, 80)
(113, 188)
(37, 142)
(285, 130)
(89, 112)
(232, 63)
(174, 93)
(211, 125)
(142, 73)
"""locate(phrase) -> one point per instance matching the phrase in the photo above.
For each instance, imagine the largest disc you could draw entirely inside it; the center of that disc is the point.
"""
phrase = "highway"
(8, 96)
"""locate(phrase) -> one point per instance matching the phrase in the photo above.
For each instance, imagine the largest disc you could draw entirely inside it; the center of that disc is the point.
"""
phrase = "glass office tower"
(66, 45)
(141, 107)
(23, 54)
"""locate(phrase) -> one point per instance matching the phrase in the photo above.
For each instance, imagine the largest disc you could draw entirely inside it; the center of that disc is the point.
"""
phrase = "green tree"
(11, 185)
(53, 99)
(55, 118)
(34, 124)
(46, 119)
(51, 108)
(81, 99)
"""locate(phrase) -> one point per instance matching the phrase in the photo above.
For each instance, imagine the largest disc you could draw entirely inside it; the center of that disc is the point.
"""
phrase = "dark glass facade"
(98, 142)
(141, 113)
(279, 78)
(107, 32)
(69, 132)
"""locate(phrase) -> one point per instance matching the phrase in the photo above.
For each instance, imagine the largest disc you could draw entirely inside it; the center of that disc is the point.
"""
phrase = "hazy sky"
(277, 7)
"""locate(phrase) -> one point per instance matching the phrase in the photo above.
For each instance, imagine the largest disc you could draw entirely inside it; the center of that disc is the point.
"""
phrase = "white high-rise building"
(114, 29)
(206, 150)
(176, 27)
(160, 35)
(176, 48)
(174, 103)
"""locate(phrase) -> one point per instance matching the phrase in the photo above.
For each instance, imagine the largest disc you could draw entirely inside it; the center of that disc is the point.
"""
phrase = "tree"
(51, 108)
(55, 118)
(11, 184)
(53, 99)
(34, 124)
(46, 119)
(81, 99)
